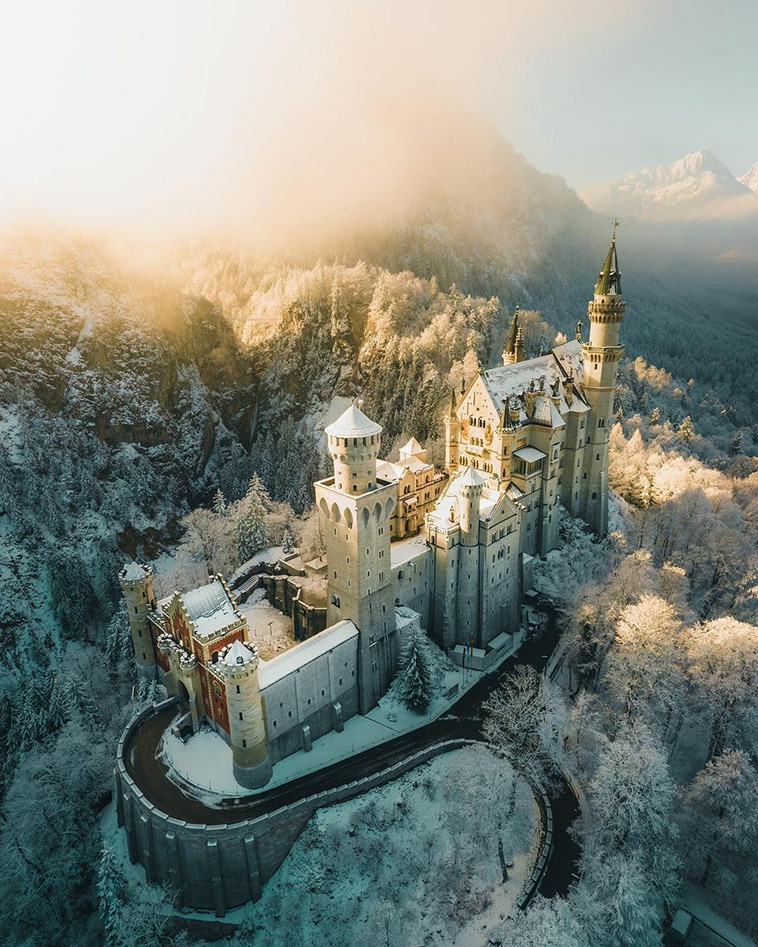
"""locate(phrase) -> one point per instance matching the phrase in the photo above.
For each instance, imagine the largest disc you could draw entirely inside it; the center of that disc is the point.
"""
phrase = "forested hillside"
(131, 395)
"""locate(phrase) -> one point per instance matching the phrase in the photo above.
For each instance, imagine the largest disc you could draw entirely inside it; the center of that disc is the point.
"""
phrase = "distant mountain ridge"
(697, 185)
(750, 178)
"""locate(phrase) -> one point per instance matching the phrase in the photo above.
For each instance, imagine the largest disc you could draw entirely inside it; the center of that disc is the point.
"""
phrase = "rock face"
(696, 185)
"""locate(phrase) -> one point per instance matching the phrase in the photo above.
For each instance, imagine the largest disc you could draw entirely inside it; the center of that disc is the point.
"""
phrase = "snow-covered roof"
(353, 423)
(133, 572)
(239, 653)
(511, 381)
(269, 672)
(405, 550)
(210, 608)
(411, 448)
(389, 471)
(529, 454)
(470, 478)
(571, 359)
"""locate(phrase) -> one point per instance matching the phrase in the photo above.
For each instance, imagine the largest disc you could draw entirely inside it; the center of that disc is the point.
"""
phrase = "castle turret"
(470, 491)
(468, 600)
(137, 585)
(515, 349)
(357, 510)
(452, 431)
(602, 353)
(353, 442)
(247, 725)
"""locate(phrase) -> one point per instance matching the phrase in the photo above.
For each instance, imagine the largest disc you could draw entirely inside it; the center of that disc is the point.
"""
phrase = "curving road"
(464, 720)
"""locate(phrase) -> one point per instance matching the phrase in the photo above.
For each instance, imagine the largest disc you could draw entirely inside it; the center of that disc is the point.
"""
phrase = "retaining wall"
(219, 867)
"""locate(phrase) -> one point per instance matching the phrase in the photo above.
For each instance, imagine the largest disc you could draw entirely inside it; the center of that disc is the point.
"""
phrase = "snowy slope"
(750, 178)
(696, 185)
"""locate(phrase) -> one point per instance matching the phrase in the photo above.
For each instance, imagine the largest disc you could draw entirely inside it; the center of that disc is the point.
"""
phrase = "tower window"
(238, 688)
(244, 742)
(240, 715)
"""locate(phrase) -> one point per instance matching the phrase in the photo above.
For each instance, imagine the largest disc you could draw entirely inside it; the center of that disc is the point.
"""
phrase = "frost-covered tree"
(219, 503)
(252, 535)
(721, 815)
(525, 721)
(111, 894)
(416, 673)
(723, 668)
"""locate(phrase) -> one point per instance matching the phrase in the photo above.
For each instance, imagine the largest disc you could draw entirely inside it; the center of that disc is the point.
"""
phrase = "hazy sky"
(183, 111)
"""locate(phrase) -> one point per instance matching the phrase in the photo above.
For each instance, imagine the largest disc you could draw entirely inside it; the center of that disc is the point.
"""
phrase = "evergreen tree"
(111, 893)
(686, 429)
(416, 674)
(219, 503)
(252, 534)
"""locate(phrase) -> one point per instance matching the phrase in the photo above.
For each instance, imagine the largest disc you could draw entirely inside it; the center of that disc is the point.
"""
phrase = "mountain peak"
(750, 178)
(699, 183)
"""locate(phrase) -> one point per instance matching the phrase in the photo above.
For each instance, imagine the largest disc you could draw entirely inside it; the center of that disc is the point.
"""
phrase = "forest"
(174, 411)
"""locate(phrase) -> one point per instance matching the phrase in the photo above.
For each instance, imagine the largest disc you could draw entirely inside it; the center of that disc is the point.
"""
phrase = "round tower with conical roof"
(357, 510)
(353, 442)
(601, 354)
(137, 585)
(247, 724)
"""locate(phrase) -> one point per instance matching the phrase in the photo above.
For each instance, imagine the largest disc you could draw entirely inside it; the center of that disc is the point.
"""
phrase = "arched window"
(214, 657)
(335, 601)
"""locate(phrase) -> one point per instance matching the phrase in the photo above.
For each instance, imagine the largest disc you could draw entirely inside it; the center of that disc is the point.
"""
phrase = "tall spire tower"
(602, 353)
(515, 350)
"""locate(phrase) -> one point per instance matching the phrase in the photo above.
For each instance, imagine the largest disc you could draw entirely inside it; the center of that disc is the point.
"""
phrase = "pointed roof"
(411, 448)
(353, 423)
(239, 653)
(133, 572)
(609, 282)
(471, 478)
(510, 345)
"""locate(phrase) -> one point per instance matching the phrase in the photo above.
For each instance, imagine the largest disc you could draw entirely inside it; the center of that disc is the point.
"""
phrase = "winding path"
(464, 720)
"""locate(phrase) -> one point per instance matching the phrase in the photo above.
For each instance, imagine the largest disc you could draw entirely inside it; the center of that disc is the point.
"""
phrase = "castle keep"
(406, 545)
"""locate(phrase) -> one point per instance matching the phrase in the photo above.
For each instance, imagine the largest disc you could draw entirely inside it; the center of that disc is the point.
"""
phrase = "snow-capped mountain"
(697, 185)
(750, 178)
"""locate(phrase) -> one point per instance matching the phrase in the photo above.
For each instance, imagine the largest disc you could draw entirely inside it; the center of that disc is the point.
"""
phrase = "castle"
(520, 438)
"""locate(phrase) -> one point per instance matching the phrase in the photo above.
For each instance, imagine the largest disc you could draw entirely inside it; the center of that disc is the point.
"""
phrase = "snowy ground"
(270, 629)
(205, 760)
(410, 863)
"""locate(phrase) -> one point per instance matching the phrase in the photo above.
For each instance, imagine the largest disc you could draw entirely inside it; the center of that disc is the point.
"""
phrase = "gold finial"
(616, 222)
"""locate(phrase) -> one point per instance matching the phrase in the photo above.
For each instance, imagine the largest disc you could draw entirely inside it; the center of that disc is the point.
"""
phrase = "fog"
(261, 119)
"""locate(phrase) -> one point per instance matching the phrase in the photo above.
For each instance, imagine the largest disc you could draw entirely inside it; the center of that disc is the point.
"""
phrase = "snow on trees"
(111, 893)
(525, 721)
(252, 534)
(721, 815)
(645, 662)
(723, 660)
(416, 675)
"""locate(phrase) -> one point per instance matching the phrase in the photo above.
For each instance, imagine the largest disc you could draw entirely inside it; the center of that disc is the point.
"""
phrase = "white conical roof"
(238, 653)
(353, 423)
(133, 572)
(471, 478)
(411, 448)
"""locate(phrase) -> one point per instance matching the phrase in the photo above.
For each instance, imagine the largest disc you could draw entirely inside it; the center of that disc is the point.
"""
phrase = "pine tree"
(219, 503)
(252, 534)
(111, 893)
(416, 675)
(686, 429)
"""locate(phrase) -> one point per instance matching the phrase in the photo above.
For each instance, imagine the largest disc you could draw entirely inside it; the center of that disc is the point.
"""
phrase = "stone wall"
(219, 867)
